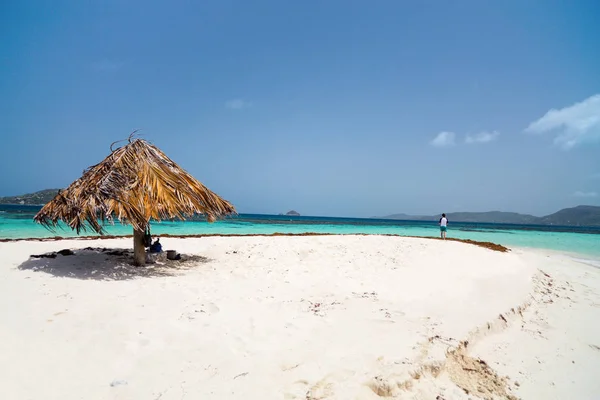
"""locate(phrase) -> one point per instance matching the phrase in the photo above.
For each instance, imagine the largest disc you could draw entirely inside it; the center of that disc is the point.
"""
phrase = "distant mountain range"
(31, 199)
(575, 216)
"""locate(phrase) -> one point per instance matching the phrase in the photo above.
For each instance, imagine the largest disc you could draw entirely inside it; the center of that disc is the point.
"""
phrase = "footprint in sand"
(212, 308)
(297, 391)
(239, 346)
(320, 390)
(291, 326)
(381, 387)
(289, 366)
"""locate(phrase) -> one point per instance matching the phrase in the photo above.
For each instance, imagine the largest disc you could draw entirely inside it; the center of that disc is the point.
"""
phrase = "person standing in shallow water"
(443, 226)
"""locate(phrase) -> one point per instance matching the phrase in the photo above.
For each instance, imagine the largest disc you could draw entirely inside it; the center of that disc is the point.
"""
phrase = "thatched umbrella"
(134, 184)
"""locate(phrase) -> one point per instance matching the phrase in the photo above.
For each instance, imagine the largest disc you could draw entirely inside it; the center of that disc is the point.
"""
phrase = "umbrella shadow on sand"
(135, 184)
(106, 264)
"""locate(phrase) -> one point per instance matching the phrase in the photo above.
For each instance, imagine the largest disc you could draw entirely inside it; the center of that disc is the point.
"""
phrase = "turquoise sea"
(16, 222)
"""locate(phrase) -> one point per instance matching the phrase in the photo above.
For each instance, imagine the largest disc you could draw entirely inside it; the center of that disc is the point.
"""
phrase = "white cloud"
(237, 104)
(107, 65)
(585, 194)
(572, 125)
(482, 137)
(443, 139)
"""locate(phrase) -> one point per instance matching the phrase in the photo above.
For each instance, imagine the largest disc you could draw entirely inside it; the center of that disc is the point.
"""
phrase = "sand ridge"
(315, 317)
(487, 245)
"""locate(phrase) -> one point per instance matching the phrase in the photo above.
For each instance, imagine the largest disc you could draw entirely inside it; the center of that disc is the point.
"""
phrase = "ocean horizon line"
(283, 218)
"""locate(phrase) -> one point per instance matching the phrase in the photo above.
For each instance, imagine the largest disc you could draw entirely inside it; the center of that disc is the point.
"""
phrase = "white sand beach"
(317, 317)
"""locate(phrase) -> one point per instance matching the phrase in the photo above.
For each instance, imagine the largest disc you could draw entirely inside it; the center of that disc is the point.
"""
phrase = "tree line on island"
(291, 213)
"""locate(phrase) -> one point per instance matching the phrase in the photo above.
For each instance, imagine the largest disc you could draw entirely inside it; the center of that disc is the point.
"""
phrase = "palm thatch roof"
(134, 184)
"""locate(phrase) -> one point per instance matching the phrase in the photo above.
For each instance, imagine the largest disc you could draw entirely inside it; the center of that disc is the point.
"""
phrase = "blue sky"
(343, 108)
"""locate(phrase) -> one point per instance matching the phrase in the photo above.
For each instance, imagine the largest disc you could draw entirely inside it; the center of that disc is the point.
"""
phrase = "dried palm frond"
(134, 184)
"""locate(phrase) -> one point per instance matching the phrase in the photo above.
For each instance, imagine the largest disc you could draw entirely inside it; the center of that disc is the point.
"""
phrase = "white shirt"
(443, 221)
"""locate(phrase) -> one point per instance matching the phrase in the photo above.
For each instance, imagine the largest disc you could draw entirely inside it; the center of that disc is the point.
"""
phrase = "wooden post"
(139, 251)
